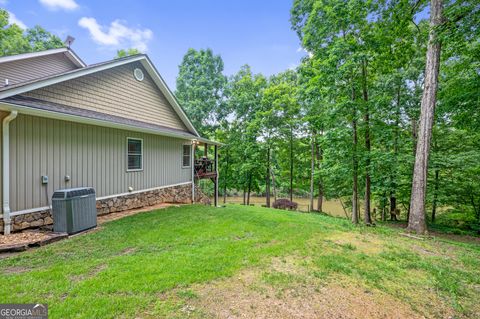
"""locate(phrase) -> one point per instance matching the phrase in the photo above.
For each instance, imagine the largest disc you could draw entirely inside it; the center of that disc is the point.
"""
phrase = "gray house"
(114, 126)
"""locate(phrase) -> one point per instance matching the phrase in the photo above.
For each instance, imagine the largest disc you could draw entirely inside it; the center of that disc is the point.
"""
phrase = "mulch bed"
(22, 241)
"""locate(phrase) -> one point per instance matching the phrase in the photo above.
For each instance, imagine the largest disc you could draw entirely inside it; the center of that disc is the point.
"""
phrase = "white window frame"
(141, 154)
(190, 156)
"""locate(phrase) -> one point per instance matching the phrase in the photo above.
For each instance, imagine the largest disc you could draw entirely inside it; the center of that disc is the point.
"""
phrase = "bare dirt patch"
(362, 243)
(15, 270)
(246, 296)
(92, 273)
(460, 238)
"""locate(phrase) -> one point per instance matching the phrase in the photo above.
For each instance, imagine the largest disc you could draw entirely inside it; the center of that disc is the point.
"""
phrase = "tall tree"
(416, 221)
(14, 40)
(200, 88)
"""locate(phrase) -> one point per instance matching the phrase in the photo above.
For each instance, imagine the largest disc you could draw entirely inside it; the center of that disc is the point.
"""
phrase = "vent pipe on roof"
(6, 82)
(69, 41)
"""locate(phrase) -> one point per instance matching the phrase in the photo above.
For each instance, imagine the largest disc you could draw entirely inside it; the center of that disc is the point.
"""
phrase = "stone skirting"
(180, 194)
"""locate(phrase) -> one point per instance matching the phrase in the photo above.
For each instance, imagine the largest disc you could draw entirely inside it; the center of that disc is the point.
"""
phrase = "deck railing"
(204, 168)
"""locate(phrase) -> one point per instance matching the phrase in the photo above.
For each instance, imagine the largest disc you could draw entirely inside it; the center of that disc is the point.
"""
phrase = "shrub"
(283, 203)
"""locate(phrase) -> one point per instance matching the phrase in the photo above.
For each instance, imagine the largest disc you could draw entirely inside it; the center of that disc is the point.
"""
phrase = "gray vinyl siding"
(34, 68)
(116, 92)
(91, 155)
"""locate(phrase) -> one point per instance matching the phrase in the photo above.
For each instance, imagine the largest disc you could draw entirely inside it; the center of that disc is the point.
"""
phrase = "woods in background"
(349, 121)
(345, 123)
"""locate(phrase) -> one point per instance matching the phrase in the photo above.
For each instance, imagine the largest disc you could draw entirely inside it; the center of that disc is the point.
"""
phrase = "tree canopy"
(344, 124)
(14, 40)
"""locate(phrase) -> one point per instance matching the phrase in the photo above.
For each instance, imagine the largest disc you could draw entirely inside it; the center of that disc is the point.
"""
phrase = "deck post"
(216, 175)
(192, 159)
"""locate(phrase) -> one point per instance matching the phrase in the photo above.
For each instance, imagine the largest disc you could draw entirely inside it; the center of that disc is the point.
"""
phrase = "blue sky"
(243, 32)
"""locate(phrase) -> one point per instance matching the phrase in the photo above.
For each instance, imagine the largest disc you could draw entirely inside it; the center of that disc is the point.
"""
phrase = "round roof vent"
(138, 74)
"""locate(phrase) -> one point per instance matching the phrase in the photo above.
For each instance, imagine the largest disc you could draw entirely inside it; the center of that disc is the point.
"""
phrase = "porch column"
(216, 176)
(192, 160)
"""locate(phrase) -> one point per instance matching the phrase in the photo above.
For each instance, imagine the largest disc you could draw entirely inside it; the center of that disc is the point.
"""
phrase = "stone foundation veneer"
(180, 194)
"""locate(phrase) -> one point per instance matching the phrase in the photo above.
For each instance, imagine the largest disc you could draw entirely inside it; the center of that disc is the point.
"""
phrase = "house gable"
(115, 91)
(37, 67)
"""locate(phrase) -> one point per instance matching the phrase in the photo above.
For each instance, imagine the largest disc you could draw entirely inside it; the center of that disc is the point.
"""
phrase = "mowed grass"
(126, 268)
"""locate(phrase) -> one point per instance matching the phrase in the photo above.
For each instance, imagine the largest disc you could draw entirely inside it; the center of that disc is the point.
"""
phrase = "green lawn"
(185, 262)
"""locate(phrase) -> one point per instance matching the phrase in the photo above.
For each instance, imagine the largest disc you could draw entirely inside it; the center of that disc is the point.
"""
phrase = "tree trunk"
(414, 151)
(249, 188)
(344, 209)
(393, 186)
(355, 213)
(393, 208)
(274, 187)
(291, 163)
(368, 147)
(267, 179)
(312, 171)
(416, 221)
(435, 195)
(320, 181)
(384, 204)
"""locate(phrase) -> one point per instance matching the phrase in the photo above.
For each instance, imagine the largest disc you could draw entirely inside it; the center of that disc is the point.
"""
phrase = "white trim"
(37, 209)
(138, 74)
(157, 78)
(31, 210)
(85, 120)
(6, 171)
(72, 56)
(69, 53)
(190, 156)
(142, 191)
(141, 154)
(31, 55)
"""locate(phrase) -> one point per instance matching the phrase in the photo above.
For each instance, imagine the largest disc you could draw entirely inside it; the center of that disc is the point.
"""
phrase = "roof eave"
(146, 62)
(80, 119)
(69, 53)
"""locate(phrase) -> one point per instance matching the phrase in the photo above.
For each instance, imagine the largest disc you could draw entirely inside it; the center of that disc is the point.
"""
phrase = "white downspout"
(6, 171)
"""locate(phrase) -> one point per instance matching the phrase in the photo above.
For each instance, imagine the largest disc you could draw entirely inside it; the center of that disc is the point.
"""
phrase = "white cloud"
(68, 5)
(301, 49)
(117, 34)
(12, 18)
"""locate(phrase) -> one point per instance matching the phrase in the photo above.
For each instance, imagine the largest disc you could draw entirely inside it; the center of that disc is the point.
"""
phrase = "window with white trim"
(186, 158)
(134, 154)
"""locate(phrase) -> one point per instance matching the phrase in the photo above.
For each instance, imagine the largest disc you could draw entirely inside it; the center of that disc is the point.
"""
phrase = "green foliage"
(126, 52)
(14, 40)
(201, 88)
(365, 58)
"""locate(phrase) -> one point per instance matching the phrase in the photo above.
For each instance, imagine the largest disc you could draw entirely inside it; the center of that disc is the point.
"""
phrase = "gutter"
(6, 170)
(10, 107)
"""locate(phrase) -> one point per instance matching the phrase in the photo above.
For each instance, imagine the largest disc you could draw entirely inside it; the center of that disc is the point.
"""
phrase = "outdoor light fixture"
(195, 142)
